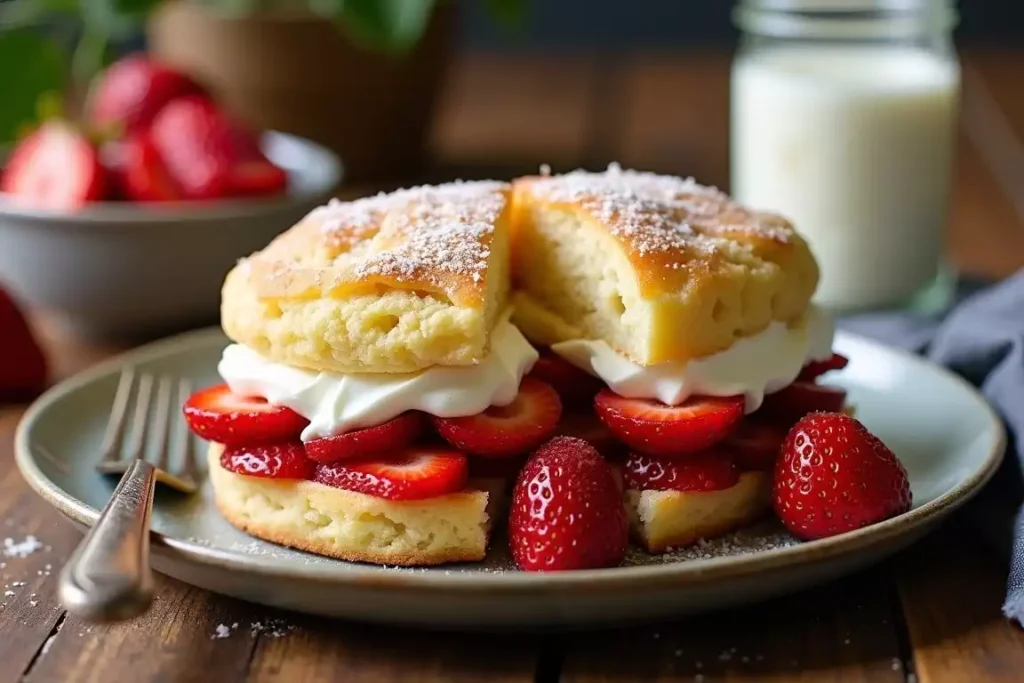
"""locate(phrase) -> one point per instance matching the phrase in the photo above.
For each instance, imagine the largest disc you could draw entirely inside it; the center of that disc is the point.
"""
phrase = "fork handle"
(108, 577)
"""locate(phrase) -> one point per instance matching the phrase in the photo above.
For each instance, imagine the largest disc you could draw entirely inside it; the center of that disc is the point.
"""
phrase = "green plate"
(948, 438)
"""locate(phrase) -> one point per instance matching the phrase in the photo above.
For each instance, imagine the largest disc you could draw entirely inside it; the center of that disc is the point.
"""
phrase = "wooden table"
(932, 614)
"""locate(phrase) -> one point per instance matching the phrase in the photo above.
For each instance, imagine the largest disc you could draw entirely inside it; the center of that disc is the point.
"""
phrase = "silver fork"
(108, 577)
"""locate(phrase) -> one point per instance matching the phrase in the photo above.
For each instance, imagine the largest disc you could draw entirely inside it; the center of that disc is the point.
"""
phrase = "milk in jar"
(853, 140)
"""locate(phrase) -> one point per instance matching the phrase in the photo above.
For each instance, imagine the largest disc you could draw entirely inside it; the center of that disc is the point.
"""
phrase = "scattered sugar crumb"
(8, 593)
(911, 677)
(274, 628)
(895, 664)
(742, 542)
(22, 548)
(33, 603)
(846, 641)
(222, 631)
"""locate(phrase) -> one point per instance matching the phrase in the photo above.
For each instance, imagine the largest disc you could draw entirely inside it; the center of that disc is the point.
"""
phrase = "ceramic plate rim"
(646, 577)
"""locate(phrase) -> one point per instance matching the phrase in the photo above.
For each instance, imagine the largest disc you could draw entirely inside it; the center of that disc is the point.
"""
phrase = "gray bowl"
(136, 270)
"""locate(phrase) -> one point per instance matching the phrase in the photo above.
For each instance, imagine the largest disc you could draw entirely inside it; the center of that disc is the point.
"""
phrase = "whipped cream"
(336, 402)
(753, 366)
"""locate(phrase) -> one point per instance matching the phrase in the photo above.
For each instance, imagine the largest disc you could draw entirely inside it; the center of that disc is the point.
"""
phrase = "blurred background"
(376, 94)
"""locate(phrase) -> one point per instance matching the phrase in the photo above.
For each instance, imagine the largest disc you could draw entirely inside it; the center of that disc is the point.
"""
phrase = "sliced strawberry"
(55, 168)
(574, 386)
(413, 474)
(816, 369)
(787, 406)
(273, 461)
(141, 171)
(755, 444)
(652, 427)
(504, 431)
(128, 95)
(382, 439)
(257, 178)
(586, 426)
(710, 471)
(218, 414)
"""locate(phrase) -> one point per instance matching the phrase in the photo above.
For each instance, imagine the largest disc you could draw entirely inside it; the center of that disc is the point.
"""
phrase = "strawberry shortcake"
(622, 354)
(373, 365)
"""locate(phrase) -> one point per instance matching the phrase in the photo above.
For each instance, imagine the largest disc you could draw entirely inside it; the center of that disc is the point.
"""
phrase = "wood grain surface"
(930, 615)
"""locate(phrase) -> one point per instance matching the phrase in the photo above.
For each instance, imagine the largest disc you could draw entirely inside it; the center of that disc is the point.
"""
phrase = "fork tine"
(113, 438)
(163, 425)
(186, 441)
(139, 419)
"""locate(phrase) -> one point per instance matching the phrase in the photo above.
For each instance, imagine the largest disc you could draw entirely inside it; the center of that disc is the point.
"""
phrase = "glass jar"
(844, 118)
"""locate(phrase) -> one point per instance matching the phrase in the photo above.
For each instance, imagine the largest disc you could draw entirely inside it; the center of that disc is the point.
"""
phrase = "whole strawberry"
(834, 476)
(567, 511)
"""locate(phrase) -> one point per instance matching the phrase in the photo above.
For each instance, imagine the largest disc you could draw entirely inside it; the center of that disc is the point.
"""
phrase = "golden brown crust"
(352, 526)
(434, 239)
(394, 283)
(660, 267)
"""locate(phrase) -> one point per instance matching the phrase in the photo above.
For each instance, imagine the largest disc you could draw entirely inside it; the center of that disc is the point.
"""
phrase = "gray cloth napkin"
(981, 338)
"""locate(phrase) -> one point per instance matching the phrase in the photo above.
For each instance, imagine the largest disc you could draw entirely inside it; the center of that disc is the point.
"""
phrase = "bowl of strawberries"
(125, 221)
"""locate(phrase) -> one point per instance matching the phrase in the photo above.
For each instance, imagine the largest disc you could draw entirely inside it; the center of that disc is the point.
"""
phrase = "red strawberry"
(218, 414)
(23, 367)
(141, 172)
(815, 369)
(652, 427)
(193, 138)
(413, 474)
(55, 168)
(755, 444)
(574, 386)
(586, 426)
(788, 405)
(567, 511)
(504, 431)
(128, 95)
(834, 476)
(709, 471)
(382, 439)
(273, 461)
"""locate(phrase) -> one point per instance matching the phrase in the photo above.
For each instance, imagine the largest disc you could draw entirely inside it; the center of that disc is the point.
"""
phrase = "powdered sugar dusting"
(743, 542)
(657, 213)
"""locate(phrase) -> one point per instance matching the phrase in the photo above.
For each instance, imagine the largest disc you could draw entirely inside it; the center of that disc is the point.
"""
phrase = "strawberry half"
(54, 168)
(710, 471)
(567, 510)
(272, 461)
(816, 369)
(755, 444)
(574, 386)
(788, 405)
(504, 431)
(391, 436)
(193, 137)
(414, 474)
(218, 414)
(652, 427)
(834, 476)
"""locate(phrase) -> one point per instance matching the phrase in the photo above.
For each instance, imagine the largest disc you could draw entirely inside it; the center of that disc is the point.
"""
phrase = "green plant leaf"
(394, 25)
(30, 65)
